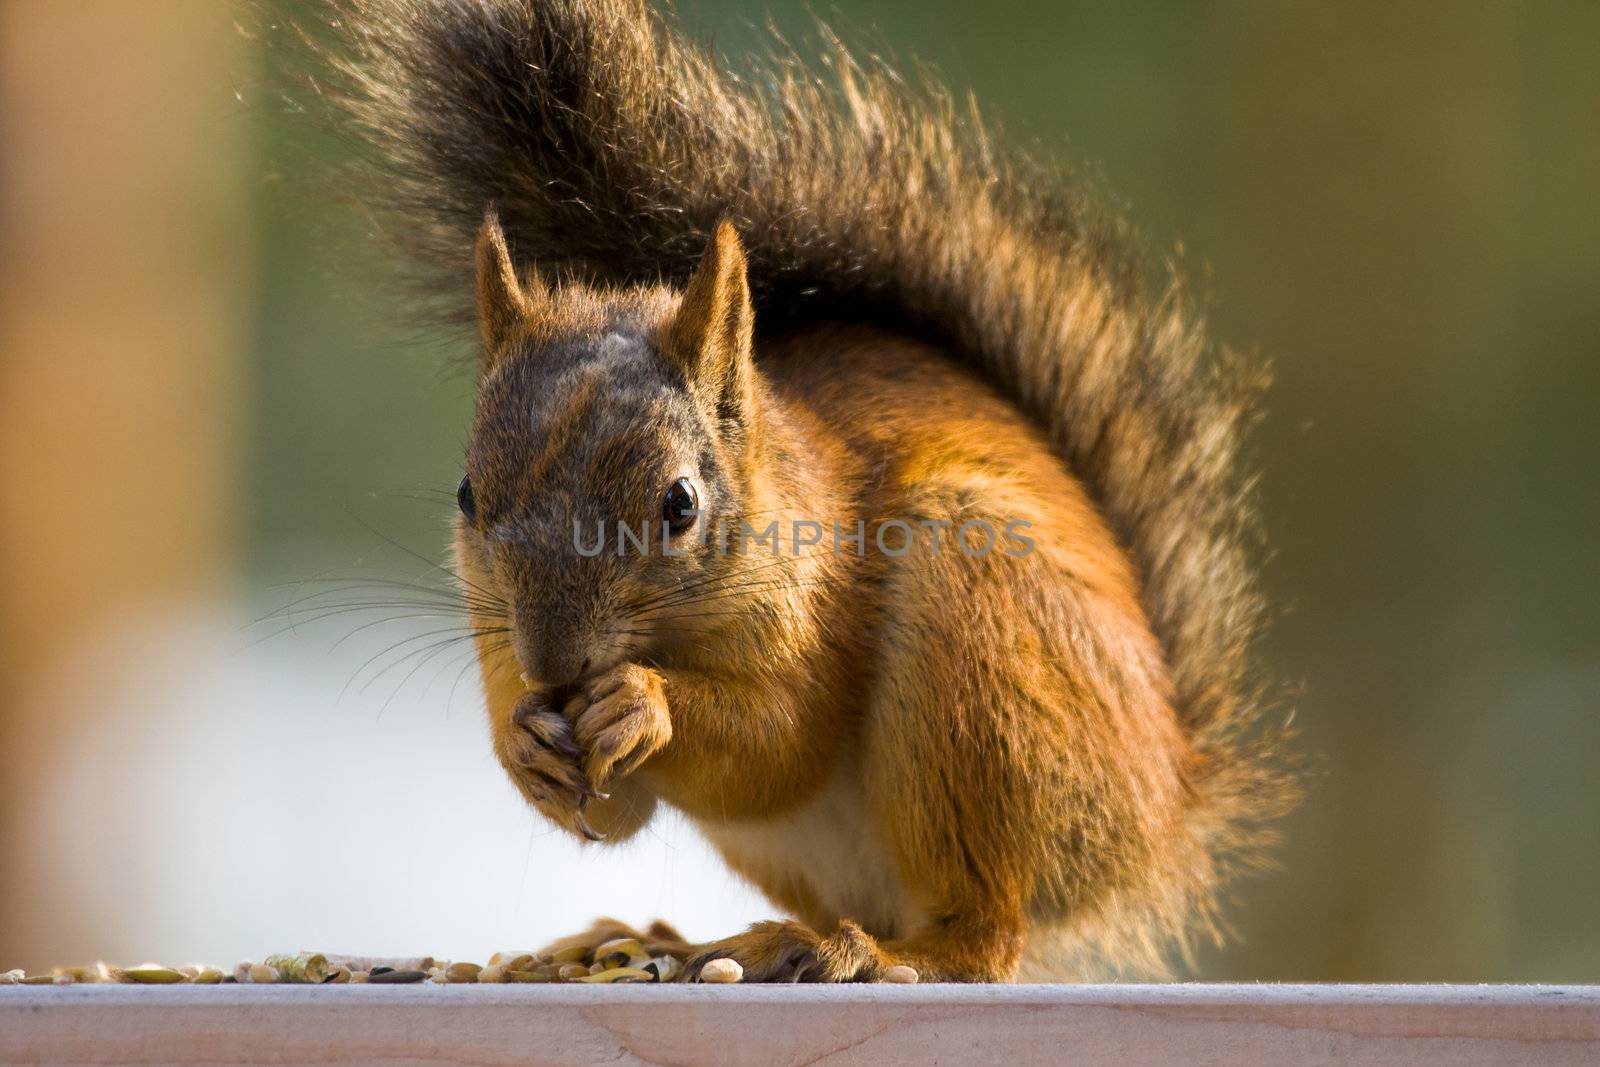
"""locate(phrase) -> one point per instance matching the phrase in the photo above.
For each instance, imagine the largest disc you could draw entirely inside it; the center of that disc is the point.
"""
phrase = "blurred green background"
(1395, 206)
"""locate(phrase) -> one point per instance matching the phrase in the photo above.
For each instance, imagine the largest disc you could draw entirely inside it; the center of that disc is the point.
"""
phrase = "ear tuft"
(502, 302)
(710, 335)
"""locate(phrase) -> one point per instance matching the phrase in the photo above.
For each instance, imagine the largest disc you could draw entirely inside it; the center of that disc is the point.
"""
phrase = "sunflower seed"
(619, 974)
(393, 977)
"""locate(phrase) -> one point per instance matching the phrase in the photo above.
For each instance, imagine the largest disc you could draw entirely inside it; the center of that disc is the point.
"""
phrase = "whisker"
(701, 583)
(460, 634)
(742, 589)
(438, 647)
(419, 556)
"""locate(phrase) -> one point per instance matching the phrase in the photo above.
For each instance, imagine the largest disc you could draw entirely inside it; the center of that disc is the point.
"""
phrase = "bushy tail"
(611, 147)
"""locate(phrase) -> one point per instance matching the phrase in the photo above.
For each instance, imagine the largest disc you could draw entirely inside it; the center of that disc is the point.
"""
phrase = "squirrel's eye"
(679, 507)
(464, 501)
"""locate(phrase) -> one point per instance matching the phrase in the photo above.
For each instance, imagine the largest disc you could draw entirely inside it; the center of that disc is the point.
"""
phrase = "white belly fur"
(829, 844)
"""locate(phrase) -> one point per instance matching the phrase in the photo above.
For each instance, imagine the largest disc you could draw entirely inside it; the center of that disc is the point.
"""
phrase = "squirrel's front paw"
(537, 748)
(619, 719)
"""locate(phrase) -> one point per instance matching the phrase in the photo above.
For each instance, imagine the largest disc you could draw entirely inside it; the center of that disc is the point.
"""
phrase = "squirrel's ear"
(710, 335)
(503, 303)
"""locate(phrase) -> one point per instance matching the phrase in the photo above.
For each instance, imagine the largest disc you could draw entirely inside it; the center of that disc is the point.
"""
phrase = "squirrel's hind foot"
(782, 951)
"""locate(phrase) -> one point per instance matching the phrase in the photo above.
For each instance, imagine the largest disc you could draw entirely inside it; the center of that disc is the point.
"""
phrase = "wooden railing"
(1124, 1025)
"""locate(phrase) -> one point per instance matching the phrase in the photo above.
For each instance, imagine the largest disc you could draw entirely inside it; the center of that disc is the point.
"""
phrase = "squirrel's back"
(611, 147)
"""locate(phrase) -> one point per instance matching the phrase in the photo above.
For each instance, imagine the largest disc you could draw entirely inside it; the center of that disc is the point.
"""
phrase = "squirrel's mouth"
(558, 697)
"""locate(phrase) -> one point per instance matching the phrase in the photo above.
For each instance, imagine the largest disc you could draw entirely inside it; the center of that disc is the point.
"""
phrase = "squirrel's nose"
(552, 662)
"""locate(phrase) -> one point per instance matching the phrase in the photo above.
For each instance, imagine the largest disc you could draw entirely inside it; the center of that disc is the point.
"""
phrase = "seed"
(570, 971)
(665, 968)
(619, 952)
(494, 974)
(550, 972)
(900, 974)
(529, 976)
(461, 973)
(571, 954)
(305, 968)
(359, 977)
(397, 977)
(619, 974)
(204, 975)
(374, 963)
(340, 976)
(513, 961)
(721, 970)
(261, 974)
(13, 976)
(146, 974)
(38, 979)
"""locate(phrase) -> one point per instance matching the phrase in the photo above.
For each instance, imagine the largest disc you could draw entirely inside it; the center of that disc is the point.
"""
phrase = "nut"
(900, 974)
(721, 971)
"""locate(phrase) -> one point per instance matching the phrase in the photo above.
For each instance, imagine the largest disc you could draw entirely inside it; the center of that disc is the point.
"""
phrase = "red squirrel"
(969, 687)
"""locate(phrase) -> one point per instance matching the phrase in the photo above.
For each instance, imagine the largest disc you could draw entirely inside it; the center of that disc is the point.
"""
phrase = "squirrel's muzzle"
(551, 652)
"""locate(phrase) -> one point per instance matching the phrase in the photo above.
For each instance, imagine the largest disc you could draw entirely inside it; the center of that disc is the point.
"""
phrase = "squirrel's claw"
(583, 827)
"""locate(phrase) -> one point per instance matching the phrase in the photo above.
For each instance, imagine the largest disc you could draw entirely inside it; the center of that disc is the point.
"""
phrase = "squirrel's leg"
(1019, 756)
(659, 939)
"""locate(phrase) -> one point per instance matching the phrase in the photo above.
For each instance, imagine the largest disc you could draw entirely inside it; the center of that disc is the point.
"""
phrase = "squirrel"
(1002, 717)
